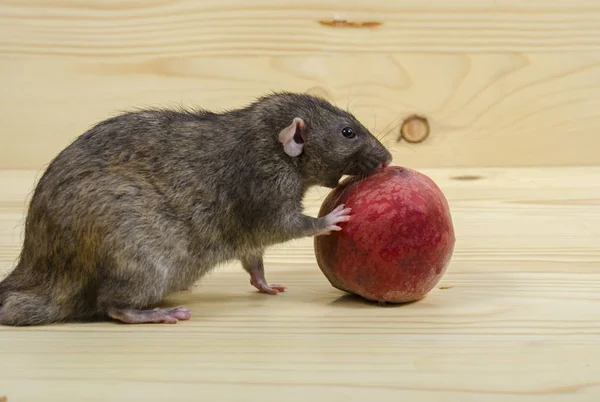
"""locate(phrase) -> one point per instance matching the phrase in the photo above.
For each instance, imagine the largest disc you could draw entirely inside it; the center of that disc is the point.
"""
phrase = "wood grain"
(502, 83)
(169, 28)
(515, 317)
(483, 109)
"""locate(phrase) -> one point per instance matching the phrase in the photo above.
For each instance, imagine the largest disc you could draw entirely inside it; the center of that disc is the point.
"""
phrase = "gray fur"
(144, 204)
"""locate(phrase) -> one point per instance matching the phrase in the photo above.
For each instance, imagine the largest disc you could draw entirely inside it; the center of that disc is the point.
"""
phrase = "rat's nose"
(385, 164)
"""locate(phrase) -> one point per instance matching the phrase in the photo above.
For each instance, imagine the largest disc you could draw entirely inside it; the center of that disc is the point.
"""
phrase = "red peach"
(398, 242)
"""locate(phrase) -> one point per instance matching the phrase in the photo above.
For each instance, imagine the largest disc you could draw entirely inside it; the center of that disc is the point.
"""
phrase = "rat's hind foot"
(261, 284)
(255, 267)
(133, 316)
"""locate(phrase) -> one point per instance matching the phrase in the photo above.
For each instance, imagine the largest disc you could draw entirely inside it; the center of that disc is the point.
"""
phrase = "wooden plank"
(502, 83)
(517, 318)
(169, 28)
(483, 109)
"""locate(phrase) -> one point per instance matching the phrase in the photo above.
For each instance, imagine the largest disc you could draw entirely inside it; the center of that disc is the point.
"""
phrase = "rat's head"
(327, 141)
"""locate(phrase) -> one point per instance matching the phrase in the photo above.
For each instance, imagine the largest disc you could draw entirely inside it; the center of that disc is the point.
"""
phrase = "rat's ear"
(292, 137)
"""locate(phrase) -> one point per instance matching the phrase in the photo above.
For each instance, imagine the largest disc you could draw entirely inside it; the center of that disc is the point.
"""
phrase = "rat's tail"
(24, 307)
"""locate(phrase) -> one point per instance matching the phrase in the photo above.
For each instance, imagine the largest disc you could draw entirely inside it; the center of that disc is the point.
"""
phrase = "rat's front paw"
(338, 215)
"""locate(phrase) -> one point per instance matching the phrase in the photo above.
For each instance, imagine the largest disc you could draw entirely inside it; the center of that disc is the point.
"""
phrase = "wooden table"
(518, 318)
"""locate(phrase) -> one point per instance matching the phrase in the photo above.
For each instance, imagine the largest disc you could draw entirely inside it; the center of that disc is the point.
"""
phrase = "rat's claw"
(339, 214)
(334, 228)
(338, 208)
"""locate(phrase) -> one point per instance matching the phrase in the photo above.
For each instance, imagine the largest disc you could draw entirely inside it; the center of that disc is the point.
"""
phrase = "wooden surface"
(516, 320)
(502, 82)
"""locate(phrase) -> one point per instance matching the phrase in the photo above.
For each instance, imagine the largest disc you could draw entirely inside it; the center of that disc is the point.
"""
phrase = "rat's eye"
(348, 132)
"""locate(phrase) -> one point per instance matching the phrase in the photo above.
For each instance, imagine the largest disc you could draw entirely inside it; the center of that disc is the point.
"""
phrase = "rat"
(145, 203)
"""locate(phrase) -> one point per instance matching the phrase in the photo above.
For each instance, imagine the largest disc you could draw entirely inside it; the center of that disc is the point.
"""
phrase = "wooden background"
(503, 83)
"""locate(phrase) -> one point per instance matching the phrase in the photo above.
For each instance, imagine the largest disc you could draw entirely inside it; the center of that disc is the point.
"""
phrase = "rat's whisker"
(395, 127)
(348, 99)
(392, 123)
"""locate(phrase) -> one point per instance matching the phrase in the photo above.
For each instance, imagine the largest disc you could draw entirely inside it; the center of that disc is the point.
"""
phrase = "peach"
(398, 242)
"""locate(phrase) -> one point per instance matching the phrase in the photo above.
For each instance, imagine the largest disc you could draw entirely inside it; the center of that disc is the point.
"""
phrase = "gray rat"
(145, 203)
